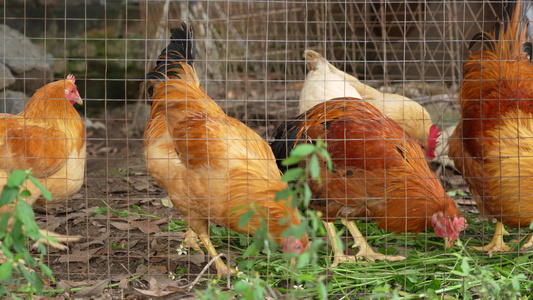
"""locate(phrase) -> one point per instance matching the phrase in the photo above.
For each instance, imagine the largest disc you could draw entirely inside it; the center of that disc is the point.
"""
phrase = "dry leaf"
(146, 226)
(166, 202)
(141, 185)
(79, 255)
(124, 283)
(122, 225)
(197, 259)
(94, 290)
(155, 289)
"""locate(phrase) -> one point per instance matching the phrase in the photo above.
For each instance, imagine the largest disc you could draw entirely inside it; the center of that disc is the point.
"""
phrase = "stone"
(12, 102)
(28, 63)
(6, 78)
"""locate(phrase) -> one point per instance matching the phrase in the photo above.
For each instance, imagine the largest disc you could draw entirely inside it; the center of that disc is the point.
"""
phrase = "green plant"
(17, 262)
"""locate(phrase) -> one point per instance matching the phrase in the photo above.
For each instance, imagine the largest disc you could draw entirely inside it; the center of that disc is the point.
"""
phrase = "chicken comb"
(434, 132)
(71, 78)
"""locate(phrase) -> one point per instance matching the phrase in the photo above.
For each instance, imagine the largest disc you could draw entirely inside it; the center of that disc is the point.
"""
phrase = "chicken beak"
(79, 101)
(448, 243)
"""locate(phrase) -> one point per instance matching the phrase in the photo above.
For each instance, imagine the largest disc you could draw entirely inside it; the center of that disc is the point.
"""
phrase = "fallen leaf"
(146, 226)
(148, 273)
(124, 283)
(94, 240)
(197, 259)
(79, 255)
(141, 185)
(93, 290)
(161, 269)
(166, 202)
(122, 225)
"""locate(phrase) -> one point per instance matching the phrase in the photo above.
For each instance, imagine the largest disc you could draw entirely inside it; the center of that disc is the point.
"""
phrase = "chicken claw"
(338, 256)
(191, 241)
(222, 269)
(528, 244)
(365, 250)
(61, 240)
(497, 244)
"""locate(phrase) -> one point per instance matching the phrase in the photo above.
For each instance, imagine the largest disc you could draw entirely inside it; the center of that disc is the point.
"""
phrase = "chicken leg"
(365, 250)
(338, 256)
(222, 269)
(497, 244)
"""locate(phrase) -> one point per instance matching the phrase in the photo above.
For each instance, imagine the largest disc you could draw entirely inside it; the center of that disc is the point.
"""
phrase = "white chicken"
(324, 82)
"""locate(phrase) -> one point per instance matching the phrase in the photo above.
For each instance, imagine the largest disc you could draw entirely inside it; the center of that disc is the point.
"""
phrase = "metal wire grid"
(250, 61)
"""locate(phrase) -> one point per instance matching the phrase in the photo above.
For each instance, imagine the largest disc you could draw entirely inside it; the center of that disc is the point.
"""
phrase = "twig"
(203, 271)
(140, 282)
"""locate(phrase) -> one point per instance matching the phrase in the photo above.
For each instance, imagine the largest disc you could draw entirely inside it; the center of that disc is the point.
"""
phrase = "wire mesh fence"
(135, 238)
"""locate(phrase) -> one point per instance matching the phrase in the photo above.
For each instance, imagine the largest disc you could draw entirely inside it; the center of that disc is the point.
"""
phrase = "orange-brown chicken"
(379, 172)
(48, 137)
(212, 166)
(492, 144)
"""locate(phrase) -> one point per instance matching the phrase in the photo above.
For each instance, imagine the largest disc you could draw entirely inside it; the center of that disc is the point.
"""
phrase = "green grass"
(429, 272)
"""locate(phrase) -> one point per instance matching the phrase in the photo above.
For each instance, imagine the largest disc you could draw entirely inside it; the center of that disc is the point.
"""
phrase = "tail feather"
(176, 61)
(509, 38)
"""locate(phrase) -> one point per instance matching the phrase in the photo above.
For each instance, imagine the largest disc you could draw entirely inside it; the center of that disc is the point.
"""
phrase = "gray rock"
(29, 64)
(6, 78)
(12, 102)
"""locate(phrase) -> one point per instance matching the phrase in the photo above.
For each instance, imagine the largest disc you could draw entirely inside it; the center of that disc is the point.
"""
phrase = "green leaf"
(16, 178)
(452, 193)
(307, 195)
(25, 194)
(9, 194)
(291, 160)
(24, 213)
(324, 153)
(283, 194)
(303, 260)
(292, 174)
(303, 150)
(46, 194)
(100, 211)
(322, 291)
(465, 266)
(5, 270)
(245, 218)
(314, 166)
(250, 251)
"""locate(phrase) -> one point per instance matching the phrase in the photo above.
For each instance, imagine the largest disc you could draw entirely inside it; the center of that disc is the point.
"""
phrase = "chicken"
(324, 82)
(48, 137)
(213, 167)
(492, 144)
(378, 173)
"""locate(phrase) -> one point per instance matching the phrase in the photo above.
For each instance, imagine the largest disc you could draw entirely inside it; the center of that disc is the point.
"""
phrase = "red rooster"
(379, 172)
(492, 144)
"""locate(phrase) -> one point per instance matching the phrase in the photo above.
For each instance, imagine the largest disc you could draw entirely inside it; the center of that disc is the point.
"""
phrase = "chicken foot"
(61, 240)
(222, 269)
(528, 244)
(365, 250)
(497, 244)
(191, 241)
(338, 256)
